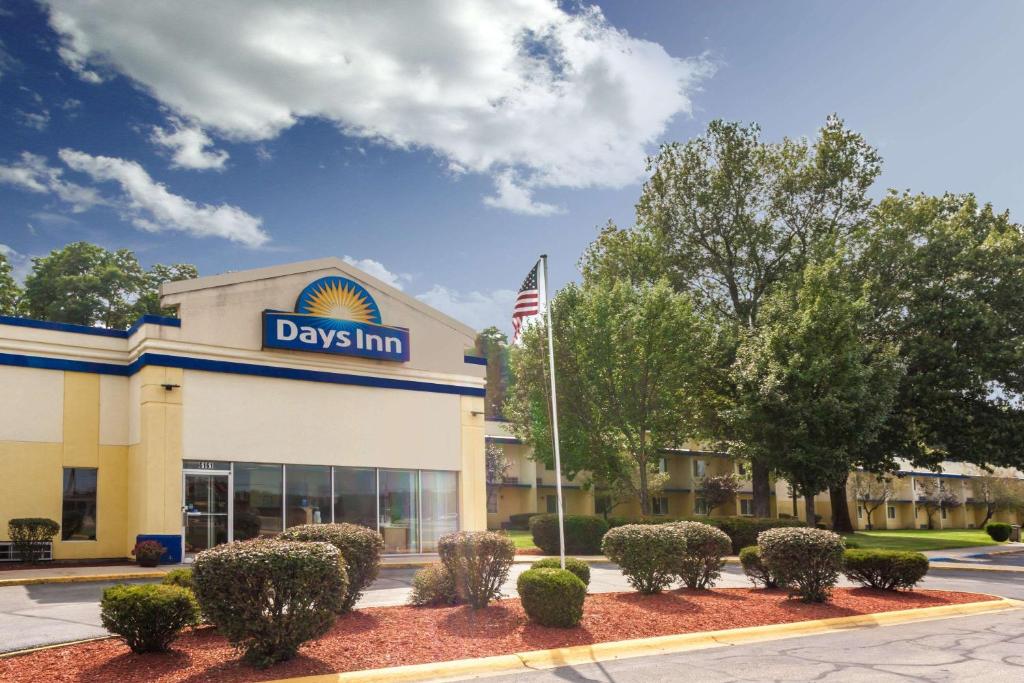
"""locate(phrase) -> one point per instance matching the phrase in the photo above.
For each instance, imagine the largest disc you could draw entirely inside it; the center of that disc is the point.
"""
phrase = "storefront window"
(355, 496)
(398, 511)
(78, 515)
(307, 494)
(440, 495)
(257, 500)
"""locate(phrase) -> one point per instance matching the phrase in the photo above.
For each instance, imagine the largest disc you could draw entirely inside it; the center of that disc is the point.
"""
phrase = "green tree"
(492, 344)
(630, 366)
(729, 217)
(10, 292)
(942, 275)
(813, 389)
(149, 298)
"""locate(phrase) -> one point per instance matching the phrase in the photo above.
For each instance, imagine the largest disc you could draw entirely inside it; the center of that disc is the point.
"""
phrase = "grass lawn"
(921, 539)
(522, 539)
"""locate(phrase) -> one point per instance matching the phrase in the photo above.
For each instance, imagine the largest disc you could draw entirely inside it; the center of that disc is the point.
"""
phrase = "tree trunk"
(989, 511)
(645, 497)
(809, 510)
(762, 486)
(840, 508)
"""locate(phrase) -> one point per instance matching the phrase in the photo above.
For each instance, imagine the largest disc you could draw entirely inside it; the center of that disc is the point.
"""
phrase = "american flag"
(527, 303)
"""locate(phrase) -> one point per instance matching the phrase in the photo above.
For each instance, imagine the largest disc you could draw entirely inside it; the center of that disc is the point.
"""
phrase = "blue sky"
(453, 144)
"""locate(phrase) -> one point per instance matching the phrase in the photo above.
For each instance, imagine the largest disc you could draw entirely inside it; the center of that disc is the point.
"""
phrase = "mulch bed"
(392, 636)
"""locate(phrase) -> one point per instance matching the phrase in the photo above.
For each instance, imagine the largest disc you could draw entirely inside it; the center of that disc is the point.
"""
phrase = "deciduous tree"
(718, 489)
(934, 497)
(10, 292)
(871, 491)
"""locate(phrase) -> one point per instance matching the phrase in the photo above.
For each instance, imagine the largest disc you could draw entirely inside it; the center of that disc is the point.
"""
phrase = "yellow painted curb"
(956, 566)
(84, 578)
(623, 649)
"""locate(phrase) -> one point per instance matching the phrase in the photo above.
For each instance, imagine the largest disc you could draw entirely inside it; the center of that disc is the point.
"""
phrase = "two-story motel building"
(307, 392)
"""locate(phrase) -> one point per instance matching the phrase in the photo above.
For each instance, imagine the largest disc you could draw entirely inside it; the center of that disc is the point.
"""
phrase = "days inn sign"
(335, 315)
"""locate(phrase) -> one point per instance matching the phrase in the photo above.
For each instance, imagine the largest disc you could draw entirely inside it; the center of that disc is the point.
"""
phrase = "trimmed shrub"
(178, 577)
(806, 561)
(583, 533)
(648, 555)
(148, 617)
(148, 553)
(433, 585)
(706, 547)
(750, 558)
(268, 596)
(29, 536)
(885, 569)
(479, 562)
(998, 531)
(520, 521)
(360, 548)
(616, 520)
(578, 567)
(743, 531)
(552, 597)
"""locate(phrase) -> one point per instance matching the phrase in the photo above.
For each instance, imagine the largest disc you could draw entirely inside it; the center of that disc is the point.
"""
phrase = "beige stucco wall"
(31, 404)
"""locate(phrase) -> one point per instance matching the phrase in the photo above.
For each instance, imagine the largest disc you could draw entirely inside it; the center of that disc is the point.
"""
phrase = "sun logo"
(338, 298)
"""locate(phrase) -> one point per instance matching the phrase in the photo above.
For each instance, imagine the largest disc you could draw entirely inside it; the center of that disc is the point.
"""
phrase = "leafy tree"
(497, 464)
(942, 275)
(630, 367)
(812, 388)
(10, 292)
(934, 497)
(999, 490)
(492, 344)
(85, 284)
(718, 489)
(871, 491)
(729, 217)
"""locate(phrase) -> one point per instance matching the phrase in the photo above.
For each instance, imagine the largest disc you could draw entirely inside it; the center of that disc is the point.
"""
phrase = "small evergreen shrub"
(806, 561)
(885, 569)
(148, 617)
(178, 577)
(520, 521)
(552, 597)
(706, 547)
(29, 536)
(479, 561)
(268, 596)
(360, 547)
(148, 553)
(578, 567)
(750, 558)
(583, 533)
(649, 555)
(433, 585)
(998, 531)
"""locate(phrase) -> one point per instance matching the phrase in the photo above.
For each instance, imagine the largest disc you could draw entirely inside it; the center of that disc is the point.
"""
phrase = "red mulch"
(392, 636)
(529, 551)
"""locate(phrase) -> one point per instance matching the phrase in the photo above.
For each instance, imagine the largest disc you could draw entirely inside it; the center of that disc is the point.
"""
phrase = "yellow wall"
(473, 484)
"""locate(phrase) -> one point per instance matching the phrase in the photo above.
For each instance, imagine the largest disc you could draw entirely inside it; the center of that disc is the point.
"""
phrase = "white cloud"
(37, 120)
(188, 145)
(476, 309)
(32, 173)
(21, 264)
(150, 206)
(516, 198)
(379, 271)
(522, 89)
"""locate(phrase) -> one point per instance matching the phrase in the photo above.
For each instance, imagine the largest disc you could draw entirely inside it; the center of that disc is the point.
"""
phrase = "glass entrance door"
(205, 510)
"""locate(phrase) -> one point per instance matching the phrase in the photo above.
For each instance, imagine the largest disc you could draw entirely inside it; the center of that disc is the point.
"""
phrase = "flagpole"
(554, 416)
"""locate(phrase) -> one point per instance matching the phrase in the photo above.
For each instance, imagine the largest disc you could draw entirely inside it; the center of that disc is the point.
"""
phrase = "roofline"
(297, 268)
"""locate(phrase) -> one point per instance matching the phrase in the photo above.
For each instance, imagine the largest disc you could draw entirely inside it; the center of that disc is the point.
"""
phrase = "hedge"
(479, 561)
(29, 536)
(742, 531)
(268, 596)
(520, 521)
(433, 585)
(885, 569)
(998, 531)
(360, 547)
(649, 555)
(178, 577)
(806, 561)
(552, 597)
(583, 533)
(148, 617)
(578, 567)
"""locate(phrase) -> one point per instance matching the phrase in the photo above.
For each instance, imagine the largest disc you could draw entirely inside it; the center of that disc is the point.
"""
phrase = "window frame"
(96, 506)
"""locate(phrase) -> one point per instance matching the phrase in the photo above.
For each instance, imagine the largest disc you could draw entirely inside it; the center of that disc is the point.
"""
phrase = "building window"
(741, 469)
(860, 512)
(699, 468)
(439, 503)
(398, 511)
(492, 503)
(307, 494)
(602, 504)
(746, 507)
(78, 510)
(891, 512)
(662, 466)
(258, 490)
(355, 496)
(659, 505)
(944, 513)
(700, 506)
(552, 504)
(549, 466)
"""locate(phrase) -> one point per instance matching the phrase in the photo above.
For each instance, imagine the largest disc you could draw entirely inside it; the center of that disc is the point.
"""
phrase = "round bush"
(578, 567)
(743, 531)
(479, 561)
(750, 558)
(148, 617)
(998, 531)
(885, 569)
(552, 597)
(648, 555)
(706, 548)
(806, 561)
(268, 596)
(178, 577)
(433, 585)
(360, 548)
(29, 536)
(583, 533)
